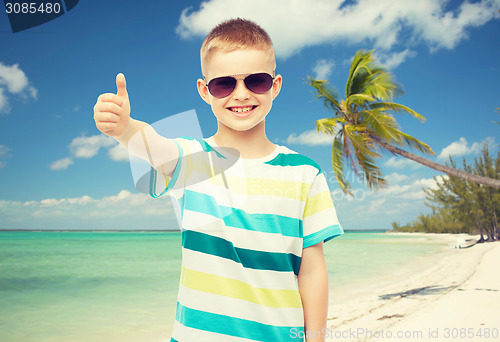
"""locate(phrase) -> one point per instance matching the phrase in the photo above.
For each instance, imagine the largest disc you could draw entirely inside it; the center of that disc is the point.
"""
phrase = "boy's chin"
(242, 126)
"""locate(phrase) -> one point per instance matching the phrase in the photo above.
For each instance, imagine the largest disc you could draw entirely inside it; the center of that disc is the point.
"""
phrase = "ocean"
(122, 286)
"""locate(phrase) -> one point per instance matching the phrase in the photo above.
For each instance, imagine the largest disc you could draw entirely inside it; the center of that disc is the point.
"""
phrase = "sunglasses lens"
(222, 86)
(259, 83)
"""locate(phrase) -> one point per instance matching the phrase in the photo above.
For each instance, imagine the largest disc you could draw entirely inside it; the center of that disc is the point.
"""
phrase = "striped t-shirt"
(244, 225)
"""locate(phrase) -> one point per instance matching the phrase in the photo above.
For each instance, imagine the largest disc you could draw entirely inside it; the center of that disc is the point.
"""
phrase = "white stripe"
(240, 237)
(319, 221)
(231, 269)
(239, 308)
(319, 185)
(282, 206)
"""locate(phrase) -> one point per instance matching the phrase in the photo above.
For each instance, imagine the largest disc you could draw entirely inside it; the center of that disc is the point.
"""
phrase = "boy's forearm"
(133, 127)
(313, 289)
(142, 141)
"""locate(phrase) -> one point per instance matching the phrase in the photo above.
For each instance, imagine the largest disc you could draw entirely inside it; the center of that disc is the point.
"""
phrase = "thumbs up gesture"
(112, 111)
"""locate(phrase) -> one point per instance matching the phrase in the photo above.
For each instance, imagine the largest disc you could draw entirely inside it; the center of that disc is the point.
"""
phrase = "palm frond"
(366, 77)
(364, 157)
(323, 92)
(381, 124)
(414, 143)
(338, 164)
(371, 171)
(382, 85)
(359, 100)
(329, 125)
(359, 63)
(397, 108)
(359, 140)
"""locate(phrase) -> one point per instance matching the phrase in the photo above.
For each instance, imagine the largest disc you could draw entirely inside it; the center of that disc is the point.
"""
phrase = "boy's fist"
(112, 111)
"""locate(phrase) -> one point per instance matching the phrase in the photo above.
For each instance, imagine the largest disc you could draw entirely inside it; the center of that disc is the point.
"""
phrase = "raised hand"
(112, 111)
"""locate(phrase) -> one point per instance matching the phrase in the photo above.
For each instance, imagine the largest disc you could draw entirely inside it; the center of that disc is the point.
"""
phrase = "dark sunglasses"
(223, 86)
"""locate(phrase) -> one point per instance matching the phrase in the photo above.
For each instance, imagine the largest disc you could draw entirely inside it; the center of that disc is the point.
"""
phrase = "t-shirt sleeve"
(319, 221)
(197, 163)
(160, 184)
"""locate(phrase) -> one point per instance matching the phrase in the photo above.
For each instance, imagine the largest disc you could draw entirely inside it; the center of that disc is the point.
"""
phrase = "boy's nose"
(241, 92)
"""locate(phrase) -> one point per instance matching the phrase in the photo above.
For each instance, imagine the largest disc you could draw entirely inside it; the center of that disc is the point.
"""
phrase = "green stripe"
(238, 327)
(153, 174)
(271, 261)
(207, 148)
(293, 159)
(268, 223)
(325, 235)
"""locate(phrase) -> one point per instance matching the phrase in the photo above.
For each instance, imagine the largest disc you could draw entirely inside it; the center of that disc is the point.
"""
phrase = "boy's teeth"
(241, 109)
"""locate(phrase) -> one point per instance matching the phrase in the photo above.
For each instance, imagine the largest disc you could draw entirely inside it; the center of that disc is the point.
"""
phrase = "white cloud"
(400, 202)
(375, 205)
(413, 190)
(401, 163)
(14, 81)
(310, 138)
(4, 102)
(61, 164)
(314, 22)
(87, 147)
(124, 210)
(118, 153)
(461, 148)
(394, 59)
(395, 178)
(4, 153)
(323, 69)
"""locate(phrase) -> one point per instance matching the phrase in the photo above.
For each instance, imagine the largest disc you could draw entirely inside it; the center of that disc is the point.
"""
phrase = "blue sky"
(58, 172)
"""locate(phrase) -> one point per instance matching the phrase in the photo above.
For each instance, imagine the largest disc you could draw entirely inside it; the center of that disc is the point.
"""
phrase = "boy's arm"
(112, 117)
(313, 289)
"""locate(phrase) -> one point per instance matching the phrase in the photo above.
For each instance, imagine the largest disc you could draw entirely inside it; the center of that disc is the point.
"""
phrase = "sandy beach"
(453, 295)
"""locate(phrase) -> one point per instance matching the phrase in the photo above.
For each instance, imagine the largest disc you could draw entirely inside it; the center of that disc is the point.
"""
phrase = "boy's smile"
(242, 111)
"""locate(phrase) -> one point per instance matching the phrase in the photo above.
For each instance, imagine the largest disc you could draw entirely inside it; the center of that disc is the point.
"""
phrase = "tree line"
(459, 206)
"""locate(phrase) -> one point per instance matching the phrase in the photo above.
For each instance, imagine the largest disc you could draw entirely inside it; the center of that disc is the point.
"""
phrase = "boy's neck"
(251, 144)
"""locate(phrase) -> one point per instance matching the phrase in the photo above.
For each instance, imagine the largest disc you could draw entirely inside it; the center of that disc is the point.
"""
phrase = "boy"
(252, 236)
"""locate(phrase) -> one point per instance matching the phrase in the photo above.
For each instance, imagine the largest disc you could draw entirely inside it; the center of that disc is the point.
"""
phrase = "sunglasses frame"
(237, 79)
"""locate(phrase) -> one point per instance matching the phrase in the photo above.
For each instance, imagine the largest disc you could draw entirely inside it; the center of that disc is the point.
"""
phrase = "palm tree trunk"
(436, 166)
(480, 227)
(491, 237)
(495, 224)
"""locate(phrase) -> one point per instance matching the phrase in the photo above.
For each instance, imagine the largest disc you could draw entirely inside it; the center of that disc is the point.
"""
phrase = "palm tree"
(363, 125)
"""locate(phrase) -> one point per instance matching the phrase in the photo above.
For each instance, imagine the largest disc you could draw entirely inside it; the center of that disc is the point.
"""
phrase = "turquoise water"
(122, 286)
(360, 261)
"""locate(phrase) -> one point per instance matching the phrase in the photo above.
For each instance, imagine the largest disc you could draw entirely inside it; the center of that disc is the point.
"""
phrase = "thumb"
(121, 85)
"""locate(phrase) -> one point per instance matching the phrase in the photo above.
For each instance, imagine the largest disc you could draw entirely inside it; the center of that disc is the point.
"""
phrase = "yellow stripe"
(265, 187)
(201, 163)
(206, 282)
(317, 203)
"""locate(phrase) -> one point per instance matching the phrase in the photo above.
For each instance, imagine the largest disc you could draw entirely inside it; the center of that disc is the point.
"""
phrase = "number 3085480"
(32, 7)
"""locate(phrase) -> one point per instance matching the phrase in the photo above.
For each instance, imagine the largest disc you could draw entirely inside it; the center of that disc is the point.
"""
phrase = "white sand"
(455, 298)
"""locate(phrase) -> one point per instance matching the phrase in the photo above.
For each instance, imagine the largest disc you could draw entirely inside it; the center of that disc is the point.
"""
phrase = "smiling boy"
(253, 267)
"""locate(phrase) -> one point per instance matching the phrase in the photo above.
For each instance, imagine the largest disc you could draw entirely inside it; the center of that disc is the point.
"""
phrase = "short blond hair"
(235, 34)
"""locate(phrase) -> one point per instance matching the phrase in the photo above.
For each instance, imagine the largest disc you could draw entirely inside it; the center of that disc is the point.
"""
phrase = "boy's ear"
(203, 90)
(278, 80)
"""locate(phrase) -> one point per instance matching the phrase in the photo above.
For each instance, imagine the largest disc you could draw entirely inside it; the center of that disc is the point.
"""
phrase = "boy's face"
(242, 110)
